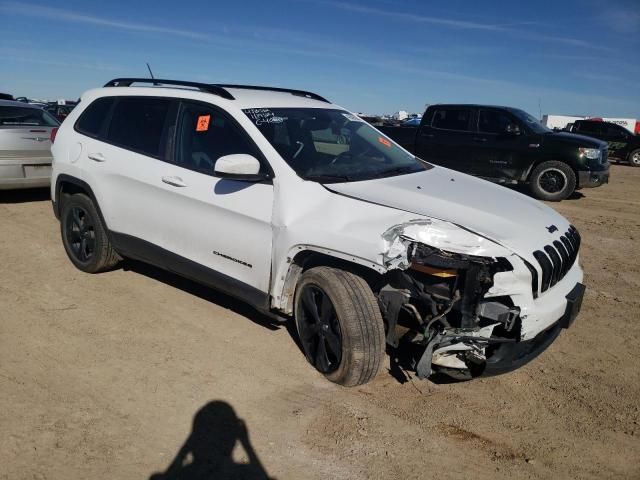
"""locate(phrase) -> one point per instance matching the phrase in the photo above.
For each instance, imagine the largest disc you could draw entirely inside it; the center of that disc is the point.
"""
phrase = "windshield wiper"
(328, 178)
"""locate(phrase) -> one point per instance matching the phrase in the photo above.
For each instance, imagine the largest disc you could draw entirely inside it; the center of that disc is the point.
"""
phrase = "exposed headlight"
(590, 153)
(437, 234)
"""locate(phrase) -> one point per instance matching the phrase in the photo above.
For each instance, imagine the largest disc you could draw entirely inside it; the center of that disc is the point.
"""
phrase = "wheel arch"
(70, 185)
(303, 257)
(537, 163)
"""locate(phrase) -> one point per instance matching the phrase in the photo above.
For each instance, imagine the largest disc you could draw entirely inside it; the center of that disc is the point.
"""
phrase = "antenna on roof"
(151, 73)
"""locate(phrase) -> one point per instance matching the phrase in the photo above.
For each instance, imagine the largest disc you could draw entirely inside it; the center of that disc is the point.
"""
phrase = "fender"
(288, 272)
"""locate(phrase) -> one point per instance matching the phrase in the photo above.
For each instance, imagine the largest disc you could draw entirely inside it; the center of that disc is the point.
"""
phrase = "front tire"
(84, 237)
(552, 181)
(340, 325)
(634, 158)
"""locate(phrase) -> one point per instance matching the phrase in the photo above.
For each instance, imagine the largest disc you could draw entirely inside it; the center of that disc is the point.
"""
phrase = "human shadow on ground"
(207, 451)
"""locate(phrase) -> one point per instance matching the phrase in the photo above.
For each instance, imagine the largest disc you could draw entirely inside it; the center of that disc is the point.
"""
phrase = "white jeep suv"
(298, 207)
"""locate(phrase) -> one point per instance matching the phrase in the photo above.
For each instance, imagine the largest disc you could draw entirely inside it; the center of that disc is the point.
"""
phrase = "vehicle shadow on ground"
(206, 293)
(25, 196)
(207, 451)
(402, 360)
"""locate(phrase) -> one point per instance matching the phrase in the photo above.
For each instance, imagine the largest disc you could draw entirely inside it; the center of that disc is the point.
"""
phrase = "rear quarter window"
(92, 121)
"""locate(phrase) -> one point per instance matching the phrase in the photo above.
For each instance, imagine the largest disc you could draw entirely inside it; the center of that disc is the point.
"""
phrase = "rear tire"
(634, 158)
(84, 237)
(340, 325)
(552, 181)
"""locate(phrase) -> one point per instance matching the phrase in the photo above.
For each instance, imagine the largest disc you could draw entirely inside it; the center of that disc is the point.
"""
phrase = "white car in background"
(297, 206)
(25, 145)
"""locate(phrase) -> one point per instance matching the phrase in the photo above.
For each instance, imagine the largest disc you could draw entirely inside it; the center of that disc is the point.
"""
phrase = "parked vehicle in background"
(564, 122)
(25, 145)
(508, 146)
(60, 111)
(624, 146)
(303, 210)
(32, 101)
(412, 122)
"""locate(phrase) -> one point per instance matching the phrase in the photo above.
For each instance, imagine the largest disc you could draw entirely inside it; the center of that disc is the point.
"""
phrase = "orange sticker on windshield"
(203, 123)
(384, 141)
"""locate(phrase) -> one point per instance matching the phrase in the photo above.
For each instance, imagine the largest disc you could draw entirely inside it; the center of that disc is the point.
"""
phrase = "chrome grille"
(555, 260)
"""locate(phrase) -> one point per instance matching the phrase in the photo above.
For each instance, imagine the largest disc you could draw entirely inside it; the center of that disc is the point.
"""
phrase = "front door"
(221, 224)
(617, 138)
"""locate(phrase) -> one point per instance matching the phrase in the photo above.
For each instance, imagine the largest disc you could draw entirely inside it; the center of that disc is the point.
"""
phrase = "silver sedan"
(25, 145)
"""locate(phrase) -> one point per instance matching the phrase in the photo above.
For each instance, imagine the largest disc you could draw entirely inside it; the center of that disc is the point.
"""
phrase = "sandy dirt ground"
(121, 374)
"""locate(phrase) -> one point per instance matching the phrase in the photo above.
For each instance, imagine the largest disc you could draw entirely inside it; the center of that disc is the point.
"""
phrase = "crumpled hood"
(498, 213)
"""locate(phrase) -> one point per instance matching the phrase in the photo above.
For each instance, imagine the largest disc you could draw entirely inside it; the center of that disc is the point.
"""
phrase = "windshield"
(530, 121)
(330, 146)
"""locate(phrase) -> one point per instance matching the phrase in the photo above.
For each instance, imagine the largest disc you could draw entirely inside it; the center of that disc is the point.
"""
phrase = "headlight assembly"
(590, 153)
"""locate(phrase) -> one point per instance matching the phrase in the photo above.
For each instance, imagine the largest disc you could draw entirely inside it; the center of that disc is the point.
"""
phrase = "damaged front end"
(433, 297)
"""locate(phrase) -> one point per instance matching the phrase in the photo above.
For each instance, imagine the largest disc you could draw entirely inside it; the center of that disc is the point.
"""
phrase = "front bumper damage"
(467, 314)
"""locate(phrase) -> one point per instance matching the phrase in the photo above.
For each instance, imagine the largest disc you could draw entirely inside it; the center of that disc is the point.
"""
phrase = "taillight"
(52, 136)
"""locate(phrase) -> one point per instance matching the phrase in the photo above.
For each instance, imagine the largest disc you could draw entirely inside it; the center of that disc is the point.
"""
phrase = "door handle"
(96, 157)
(480, 140)
(174, 181)
(427, 135)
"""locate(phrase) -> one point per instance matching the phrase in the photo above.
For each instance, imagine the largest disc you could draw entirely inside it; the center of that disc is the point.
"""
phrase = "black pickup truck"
(623, 145)
(506, 145)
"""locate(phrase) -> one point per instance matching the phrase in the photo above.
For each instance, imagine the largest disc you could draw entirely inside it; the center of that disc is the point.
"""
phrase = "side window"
(494, 121)
(92, 120)
(138, 124)
(204, 135)
(588, 127)
(452, 119)
(616, 131)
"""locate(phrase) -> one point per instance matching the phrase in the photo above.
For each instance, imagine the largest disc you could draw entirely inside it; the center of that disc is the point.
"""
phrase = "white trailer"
(561, 121)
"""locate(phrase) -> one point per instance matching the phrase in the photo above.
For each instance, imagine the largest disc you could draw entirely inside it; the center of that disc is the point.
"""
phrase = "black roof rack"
(215, 89)
(203, 87)
(298, 93)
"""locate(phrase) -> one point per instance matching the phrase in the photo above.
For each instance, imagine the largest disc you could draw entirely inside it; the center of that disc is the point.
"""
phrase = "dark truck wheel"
(552, 181)
(84, 237)
(634, 158)
(340, 325)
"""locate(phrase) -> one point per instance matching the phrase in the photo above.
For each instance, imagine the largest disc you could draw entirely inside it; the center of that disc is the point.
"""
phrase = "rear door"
(446, 138)
(25, 145)
(503, 146)
(124, 166)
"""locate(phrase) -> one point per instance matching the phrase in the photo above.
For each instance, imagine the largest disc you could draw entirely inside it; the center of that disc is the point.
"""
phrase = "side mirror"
(239, 166)
(512, 129)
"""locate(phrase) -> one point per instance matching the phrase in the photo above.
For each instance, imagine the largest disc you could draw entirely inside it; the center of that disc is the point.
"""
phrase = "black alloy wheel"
(319, 329)
(81, 235)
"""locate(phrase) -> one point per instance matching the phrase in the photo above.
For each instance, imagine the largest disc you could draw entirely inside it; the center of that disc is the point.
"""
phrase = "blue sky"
(377, 56)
